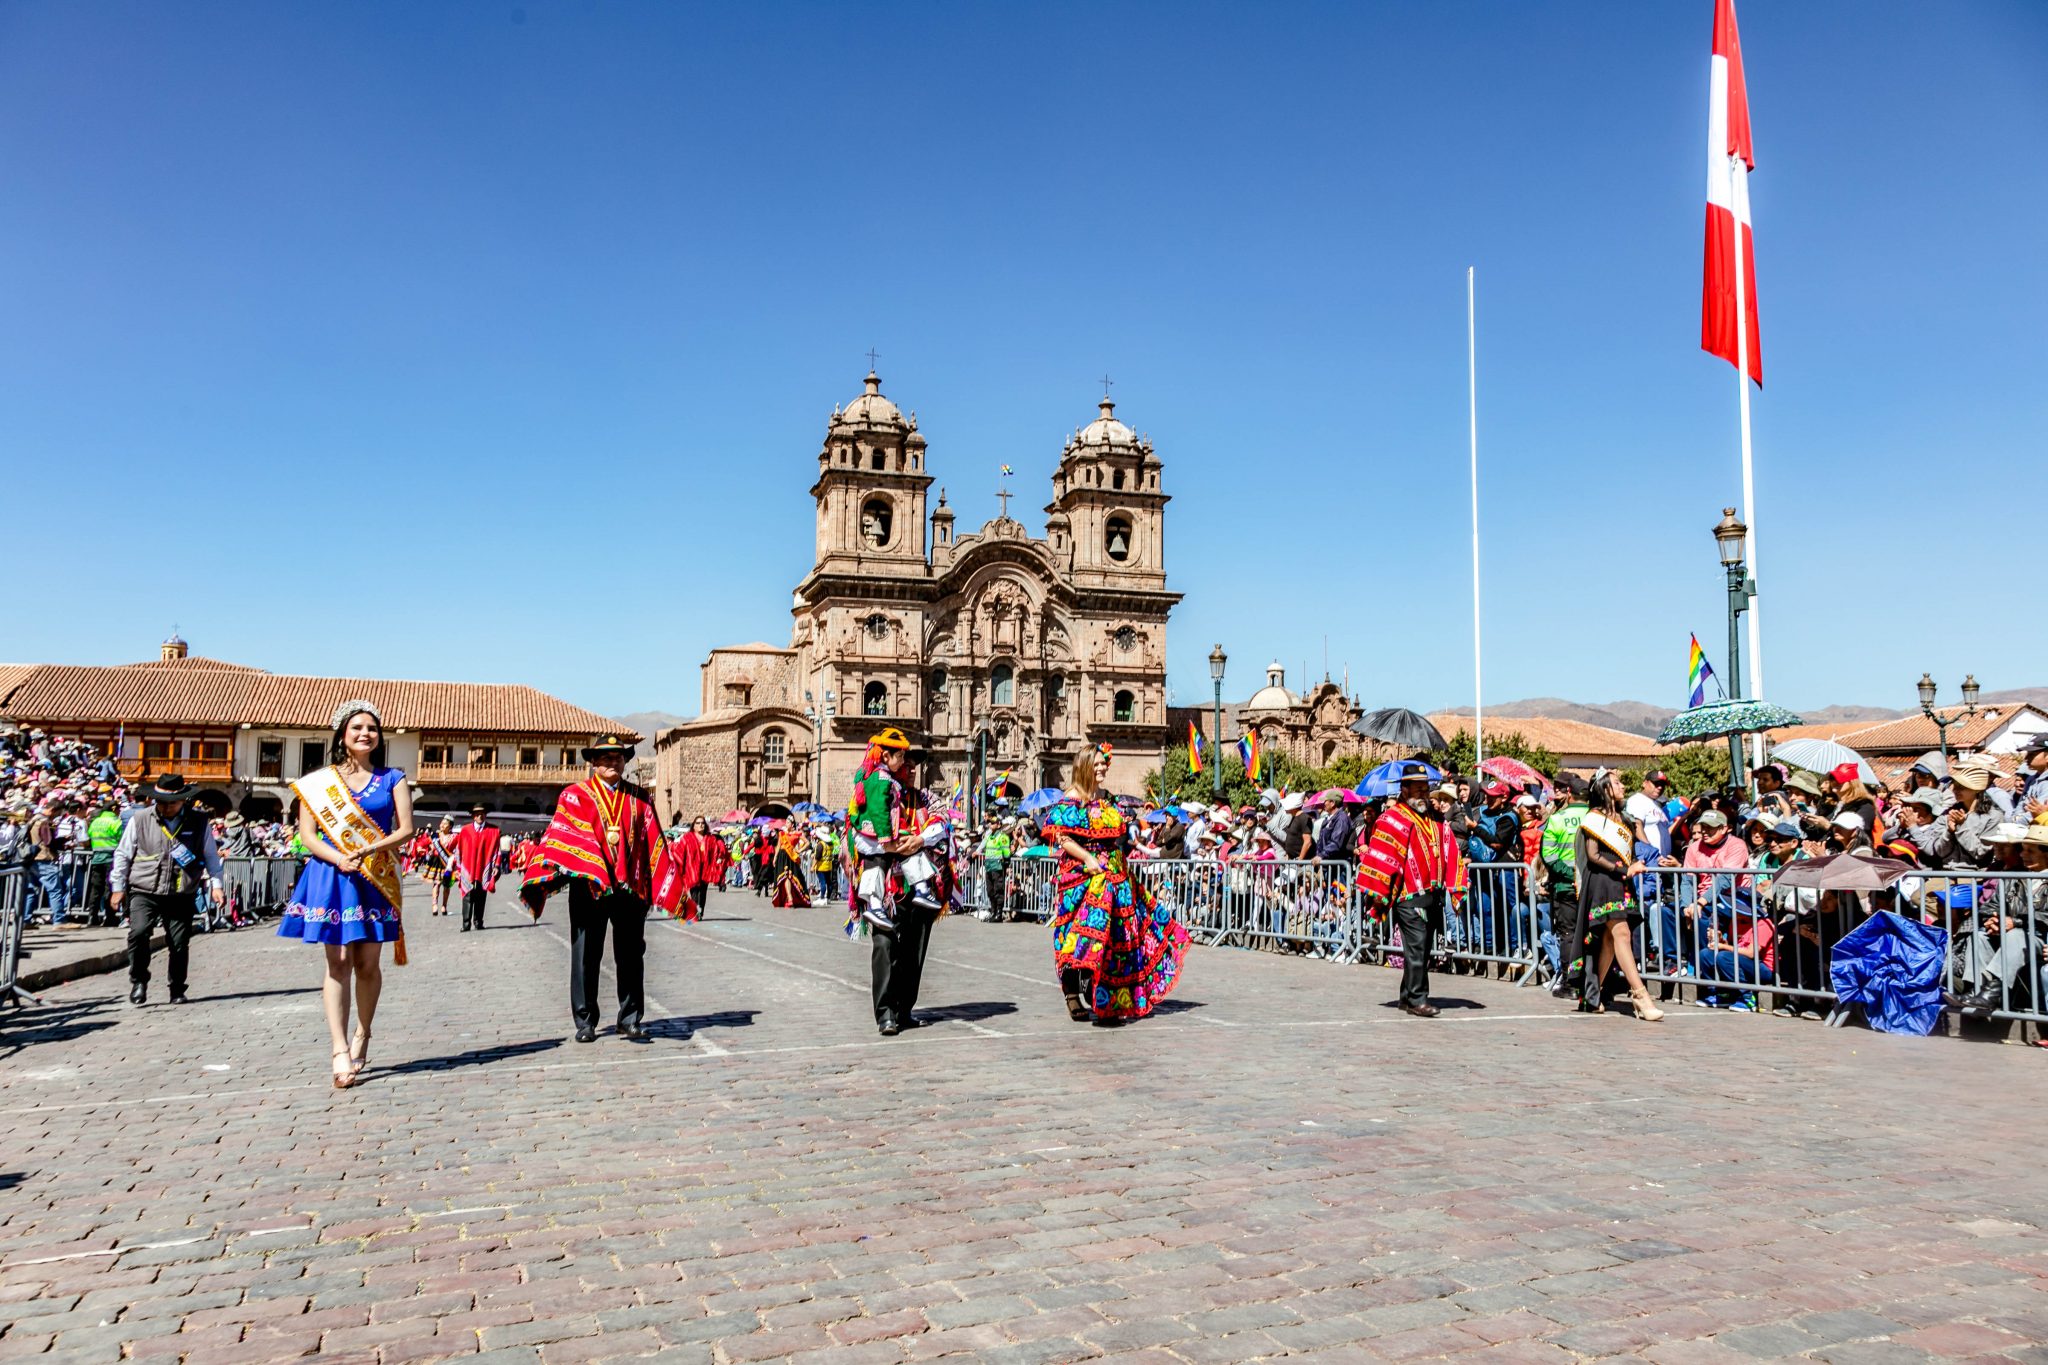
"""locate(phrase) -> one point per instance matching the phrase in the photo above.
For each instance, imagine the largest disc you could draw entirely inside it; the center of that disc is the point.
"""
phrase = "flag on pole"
(1697, 673)
(1007, 470)
(1730, 159)
(1194, 748)
(1248, 754)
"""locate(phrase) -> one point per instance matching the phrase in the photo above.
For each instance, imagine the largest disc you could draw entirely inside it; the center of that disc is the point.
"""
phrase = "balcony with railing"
(191, 769)
(557, 774)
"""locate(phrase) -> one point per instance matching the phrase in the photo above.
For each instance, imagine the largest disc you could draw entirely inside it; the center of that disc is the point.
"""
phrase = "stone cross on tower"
(1105, 386)
(872, 357)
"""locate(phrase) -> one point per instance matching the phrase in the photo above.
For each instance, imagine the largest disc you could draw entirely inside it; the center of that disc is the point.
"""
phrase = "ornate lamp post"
(820, 720)
(1729, 534)
(1927, 690)
(1217, 659)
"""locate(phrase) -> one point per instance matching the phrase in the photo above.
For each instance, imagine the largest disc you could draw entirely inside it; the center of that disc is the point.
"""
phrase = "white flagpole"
(1472, 403)
(1756, 636)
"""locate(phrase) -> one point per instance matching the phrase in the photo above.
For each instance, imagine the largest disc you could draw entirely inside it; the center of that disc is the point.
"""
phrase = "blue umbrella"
(1385, 780)
(1157, 817)
(1044, 799)
(810, 810)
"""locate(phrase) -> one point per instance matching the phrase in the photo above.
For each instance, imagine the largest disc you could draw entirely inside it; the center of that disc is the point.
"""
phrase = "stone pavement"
(1278, 1167)
(50, 956)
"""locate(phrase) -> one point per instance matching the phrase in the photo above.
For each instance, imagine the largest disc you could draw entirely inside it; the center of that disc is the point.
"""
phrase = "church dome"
(1274, 696)
(1105, 430)
(871, 409)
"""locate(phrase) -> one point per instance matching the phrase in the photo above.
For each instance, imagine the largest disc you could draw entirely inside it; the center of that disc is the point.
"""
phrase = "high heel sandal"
(344, 1074)
(1646, 1008)
(355, 1063)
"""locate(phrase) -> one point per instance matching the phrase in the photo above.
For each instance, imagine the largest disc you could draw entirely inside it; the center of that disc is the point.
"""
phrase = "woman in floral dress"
(1118, 951)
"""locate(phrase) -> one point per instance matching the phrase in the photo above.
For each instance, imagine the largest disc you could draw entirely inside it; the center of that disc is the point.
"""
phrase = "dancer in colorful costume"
(1118, 950)
(1411, 866)
(887, 823)
(791, 890)
(605, 845)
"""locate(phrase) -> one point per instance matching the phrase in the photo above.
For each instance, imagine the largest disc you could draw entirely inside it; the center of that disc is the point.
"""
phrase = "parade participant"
(1117, 950)
(1411, 866)
(164, 857)
(885, 823)
(605, 845)
(792, 891)
(1607, 865)
(476, 865)
(352, 813)
(437, 862)
(702, 856)
(1558, 851)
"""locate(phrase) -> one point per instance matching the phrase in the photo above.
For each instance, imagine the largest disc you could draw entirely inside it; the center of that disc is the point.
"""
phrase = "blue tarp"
(1891, 967)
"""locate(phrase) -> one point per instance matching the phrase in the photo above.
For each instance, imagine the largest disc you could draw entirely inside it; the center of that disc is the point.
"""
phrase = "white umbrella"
(1822, 756)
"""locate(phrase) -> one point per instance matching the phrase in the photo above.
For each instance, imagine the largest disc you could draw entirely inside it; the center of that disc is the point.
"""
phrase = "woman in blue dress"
(334, 904)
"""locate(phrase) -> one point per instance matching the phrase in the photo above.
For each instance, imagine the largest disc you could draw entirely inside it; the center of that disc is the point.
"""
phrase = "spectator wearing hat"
(1334, 838)
(476, 864)
(166, 856)
(2033, 802)
(1299, 839)
(2005, 957)
(1921, 825)
(1715, 892)
(1973, 816)
(44, 868)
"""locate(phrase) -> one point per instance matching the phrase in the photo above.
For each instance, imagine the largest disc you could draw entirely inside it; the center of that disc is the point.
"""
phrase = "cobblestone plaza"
(1277, 1166)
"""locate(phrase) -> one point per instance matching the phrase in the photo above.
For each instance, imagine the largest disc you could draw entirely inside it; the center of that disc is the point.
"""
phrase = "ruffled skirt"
(332, 906)
(1111, 930)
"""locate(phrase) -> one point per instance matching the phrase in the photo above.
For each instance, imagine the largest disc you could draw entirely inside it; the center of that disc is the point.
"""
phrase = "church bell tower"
(1107, 510)
(871, 490)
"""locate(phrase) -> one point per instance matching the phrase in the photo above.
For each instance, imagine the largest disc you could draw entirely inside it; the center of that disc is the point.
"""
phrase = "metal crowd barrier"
(1505, 922)
(13, 921)
(258, 886)
(1306, 906)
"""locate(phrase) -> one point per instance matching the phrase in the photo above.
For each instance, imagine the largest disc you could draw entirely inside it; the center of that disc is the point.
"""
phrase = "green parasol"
(1727, 717)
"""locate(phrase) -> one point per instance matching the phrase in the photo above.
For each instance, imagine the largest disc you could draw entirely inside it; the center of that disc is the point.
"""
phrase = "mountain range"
(1641, 718)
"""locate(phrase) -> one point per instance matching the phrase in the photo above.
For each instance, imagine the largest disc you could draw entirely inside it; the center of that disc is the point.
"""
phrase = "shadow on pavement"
(9, 1179)
(52, 1024)
(969, 1011)
(198, 996)
(1177, 1005)
(1442, 1002)
(480, 1056)
(683, 1025)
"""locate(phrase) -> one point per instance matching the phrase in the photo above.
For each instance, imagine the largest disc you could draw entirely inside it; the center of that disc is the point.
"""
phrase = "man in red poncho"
(476, 864)
(606, 846)
(1411, 865)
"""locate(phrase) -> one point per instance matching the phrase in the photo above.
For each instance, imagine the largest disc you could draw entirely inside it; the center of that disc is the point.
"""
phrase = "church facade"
(999, 652)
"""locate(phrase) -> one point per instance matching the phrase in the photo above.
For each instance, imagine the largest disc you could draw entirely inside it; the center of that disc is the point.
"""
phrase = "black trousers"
(147, 914)
(1421, 919)
(698, 895)
(589, 917)
(1564, 926)
(897, 963)
(473, 906)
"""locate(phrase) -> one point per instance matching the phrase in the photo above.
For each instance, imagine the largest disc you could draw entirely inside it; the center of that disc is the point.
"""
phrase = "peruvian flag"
(1730, 159)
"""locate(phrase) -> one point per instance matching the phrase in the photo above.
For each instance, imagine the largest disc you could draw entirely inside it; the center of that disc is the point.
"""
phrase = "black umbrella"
(1399, 725)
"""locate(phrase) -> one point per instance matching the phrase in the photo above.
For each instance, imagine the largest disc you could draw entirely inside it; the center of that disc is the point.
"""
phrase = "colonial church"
(998, 651)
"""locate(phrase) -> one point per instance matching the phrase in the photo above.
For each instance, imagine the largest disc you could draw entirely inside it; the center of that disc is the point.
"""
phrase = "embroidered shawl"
(576, 845)
(1409, 854)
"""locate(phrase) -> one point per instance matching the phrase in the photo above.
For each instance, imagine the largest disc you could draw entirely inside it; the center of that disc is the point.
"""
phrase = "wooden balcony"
(191, 769)
(555, 774)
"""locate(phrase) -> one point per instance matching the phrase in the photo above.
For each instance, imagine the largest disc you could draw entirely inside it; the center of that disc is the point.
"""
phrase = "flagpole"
(1472, 405)
(1756, 638)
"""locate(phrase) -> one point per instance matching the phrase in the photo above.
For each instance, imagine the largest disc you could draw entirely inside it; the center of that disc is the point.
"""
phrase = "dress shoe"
(138, 992)
(585, 1034)
(633, 1033)
(1423, 1011)
(178, 998)
(890, 1028)
(912, 1021)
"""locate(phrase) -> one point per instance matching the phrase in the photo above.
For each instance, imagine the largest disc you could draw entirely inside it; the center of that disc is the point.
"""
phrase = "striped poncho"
(611, 840)
(1410, 853)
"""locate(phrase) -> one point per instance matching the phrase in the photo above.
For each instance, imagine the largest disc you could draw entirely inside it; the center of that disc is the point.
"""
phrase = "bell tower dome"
(871, 489)
(1107, 501)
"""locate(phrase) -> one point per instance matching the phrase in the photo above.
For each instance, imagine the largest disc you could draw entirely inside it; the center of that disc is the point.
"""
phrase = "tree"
(1693, 769)
(1175, 782)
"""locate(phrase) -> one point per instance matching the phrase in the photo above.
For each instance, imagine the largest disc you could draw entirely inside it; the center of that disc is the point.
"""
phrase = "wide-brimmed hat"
(1970, 775)
(170, 787)
(2036, 834)
(1804, 781)
(605, 744)
(1413, 772)
(1930, 797)
(233, 820)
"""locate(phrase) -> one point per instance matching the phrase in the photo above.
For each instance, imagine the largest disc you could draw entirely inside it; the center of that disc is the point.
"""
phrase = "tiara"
(349, 708)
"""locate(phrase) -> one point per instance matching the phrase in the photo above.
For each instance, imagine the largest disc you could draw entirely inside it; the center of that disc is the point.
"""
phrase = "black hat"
(1414, 772)
(170, 787)
(606, 744)
(479, 809)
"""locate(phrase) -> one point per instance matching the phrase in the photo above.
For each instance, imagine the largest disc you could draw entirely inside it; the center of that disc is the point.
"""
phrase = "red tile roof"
(1908, 735)
(1557, 735)
(206, 692)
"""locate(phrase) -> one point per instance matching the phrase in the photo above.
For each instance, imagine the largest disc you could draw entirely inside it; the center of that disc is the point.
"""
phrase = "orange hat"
(891, 738)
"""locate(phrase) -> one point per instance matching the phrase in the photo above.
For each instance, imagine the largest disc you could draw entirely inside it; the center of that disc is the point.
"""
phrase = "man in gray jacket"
(166, 855)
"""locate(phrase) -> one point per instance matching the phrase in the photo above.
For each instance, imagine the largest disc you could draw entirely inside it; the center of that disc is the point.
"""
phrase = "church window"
(874, 700)
(1116, 479)
(1117, 539)
(774, 748)
(1126, 706)
(875, 460)
(877, 520)
(1002, 685)
(938, 680)
(1056, 689)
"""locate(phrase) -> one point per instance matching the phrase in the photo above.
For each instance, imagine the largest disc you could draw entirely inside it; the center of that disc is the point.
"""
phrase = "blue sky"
(496, 341)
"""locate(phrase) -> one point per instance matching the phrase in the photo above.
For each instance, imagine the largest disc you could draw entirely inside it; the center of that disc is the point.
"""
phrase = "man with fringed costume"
(887, 823)
(1412, 866)
(605, 844)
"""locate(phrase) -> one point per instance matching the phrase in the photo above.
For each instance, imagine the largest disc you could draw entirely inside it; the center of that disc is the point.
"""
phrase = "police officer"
(165, 857)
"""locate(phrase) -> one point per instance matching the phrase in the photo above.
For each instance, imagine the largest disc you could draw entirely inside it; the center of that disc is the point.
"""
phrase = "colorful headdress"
(1104, 751)
(890, 738)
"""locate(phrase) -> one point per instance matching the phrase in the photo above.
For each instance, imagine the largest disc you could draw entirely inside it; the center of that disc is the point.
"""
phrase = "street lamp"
(819, 721)
(1927, 689)
(1217, 658)
(1730, 536)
